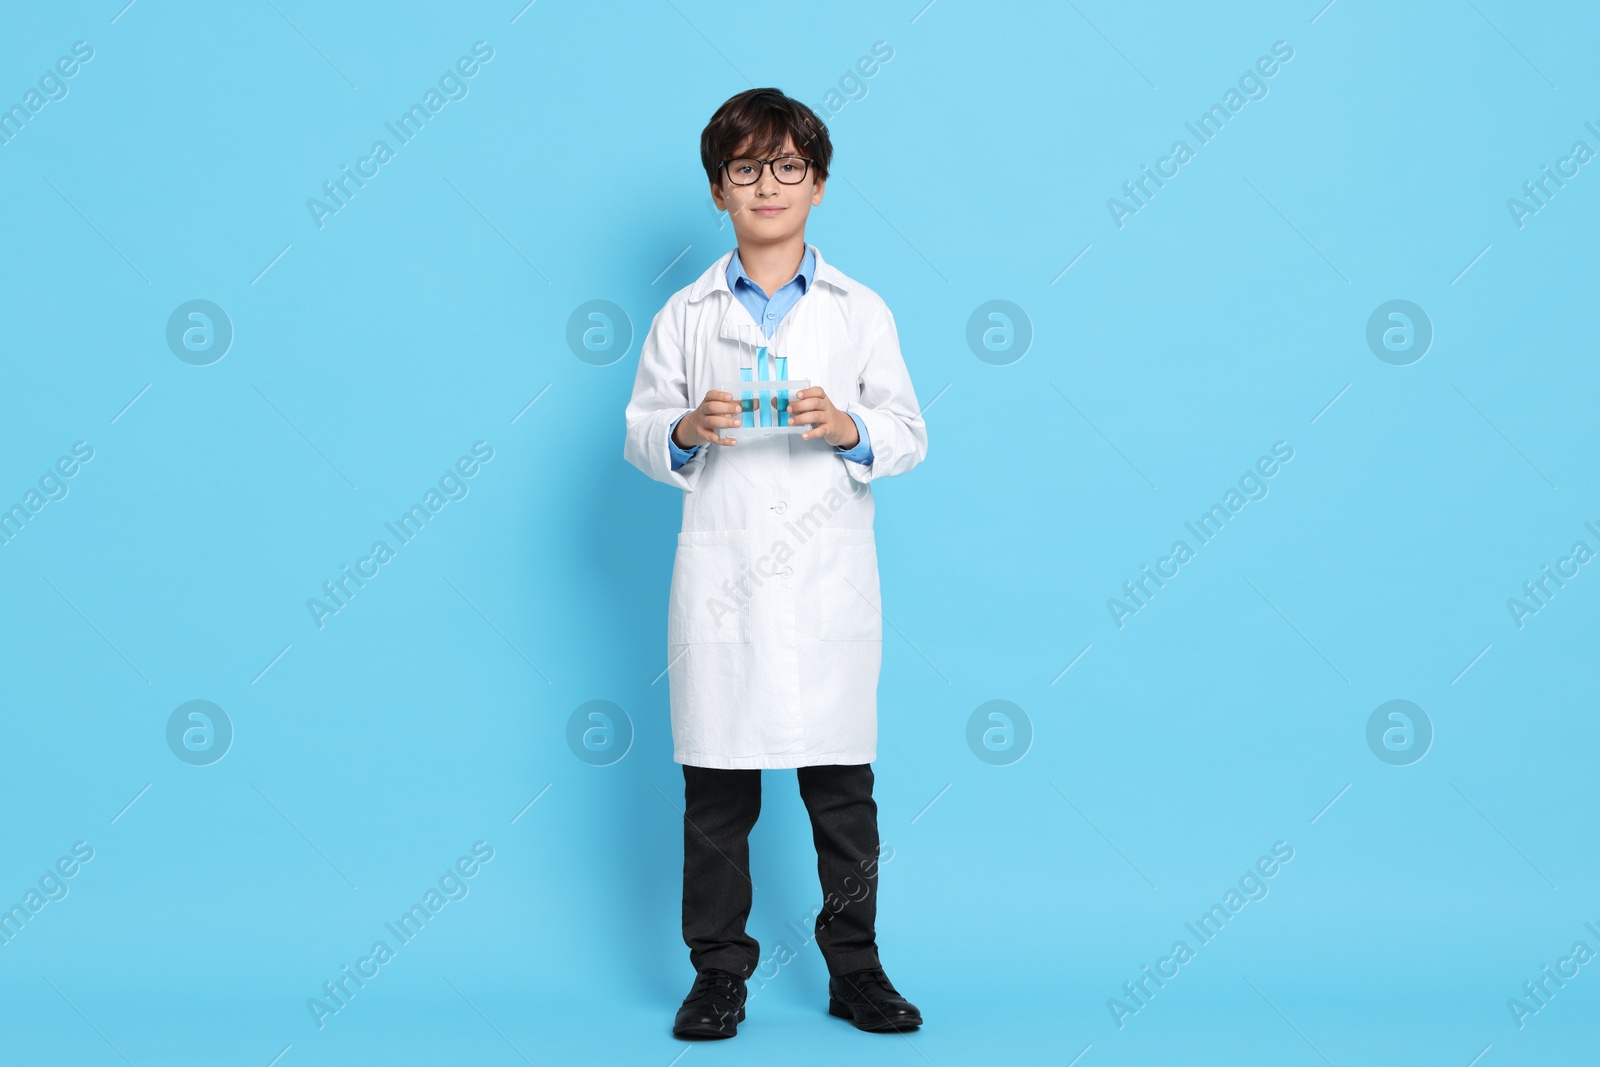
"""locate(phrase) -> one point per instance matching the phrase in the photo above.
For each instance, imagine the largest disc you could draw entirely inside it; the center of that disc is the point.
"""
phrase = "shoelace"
(714, 983)
(858, 983)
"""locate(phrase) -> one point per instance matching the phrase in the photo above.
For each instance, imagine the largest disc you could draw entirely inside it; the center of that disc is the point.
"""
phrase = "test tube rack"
(756, 389)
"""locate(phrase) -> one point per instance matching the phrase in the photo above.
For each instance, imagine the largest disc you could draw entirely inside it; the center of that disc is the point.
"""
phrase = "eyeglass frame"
(766, 165)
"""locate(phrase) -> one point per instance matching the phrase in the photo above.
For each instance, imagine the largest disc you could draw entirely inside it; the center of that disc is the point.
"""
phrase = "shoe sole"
(836, 1008)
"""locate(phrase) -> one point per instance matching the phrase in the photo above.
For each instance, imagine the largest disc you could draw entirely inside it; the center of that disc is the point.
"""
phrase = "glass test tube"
(782, 375)
(764, 375)
(747, 404)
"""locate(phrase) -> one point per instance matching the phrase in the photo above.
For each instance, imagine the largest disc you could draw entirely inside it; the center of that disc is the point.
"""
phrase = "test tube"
(747, 404)
(782, 375)
(766, 397)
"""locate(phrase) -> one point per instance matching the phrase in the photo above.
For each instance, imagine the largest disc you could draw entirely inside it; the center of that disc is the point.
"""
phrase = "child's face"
(767, 211)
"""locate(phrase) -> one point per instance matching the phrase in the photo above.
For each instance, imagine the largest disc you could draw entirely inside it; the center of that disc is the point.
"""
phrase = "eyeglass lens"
(790, 170)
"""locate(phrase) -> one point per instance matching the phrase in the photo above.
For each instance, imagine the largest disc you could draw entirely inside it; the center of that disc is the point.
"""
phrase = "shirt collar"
(807, 271)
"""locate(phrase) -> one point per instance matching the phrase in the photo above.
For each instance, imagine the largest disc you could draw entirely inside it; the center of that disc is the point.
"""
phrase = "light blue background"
(428, 314)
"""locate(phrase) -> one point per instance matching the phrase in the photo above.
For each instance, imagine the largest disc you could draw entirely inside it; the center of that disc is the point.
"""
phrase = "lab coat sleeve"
(888, 405)
(660, 397)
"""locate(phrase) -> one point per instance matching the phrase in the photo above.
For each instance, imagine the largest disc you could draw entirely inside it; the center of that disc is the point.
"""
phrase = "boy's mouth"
(767, 212)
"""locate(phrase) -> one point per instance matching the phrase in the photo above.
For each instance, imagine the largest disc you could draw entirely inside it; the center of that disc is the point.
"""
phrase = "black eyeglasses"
(790, 170)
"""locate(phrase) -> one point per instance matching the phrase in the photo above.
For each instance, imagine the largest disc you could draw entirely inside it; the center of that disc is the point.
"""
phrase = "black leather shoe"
(714, 1006)
(870, 1001)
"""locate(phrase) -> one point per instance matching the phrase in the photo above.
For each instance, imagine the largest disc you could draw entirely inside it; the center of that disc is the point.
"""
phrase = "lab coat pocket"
(848, 586)
(706, 605)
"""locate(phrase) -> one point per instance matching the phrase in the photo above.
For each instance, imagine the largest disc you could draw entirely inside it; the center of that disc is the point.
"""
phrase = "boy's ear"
(717, 198)
(816, 194)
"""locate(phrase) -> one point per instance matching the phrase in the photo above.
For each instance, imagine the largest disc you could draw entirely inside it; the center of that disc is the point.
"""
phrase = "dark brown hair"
(756, 121)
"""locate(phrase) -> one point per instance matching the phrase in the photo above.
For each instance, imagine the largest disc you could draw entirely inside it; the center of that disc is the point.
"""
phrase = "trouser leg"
(844, 826)
(720, 808)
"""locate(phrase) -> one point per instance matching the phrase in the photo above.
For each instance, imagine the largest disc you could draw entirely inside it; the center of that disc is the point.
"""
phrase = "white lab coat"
(774, 624)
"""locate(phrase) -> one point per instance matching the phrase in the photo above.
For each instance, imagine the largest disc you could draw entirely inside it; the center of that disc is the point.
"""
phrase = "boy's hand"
(827, 422)
(699, 426)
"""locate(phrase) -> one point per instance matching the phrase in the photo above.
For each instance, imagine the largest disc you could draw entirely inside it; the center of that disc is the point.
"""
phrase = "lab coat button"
(787, 572)
(781, 506)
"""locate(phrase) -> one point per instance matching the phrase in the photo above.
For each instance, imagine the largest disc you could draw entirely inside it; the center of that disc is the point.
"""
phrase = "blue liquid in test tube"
(782, 375)
(766, 397)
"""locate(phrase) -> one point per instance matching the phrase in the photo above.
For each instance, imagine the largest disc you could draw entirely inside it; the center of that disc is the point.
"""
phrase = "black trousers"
(720, 808)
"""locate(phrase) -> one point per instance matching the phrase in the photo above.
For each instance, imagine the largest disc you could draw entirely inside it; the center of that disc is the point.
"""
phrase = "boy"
(774, 632)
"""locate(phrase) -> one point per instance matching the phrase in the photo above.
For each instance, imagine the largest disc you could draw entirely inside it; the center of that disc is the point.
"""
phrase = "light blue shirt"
(769, 312)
